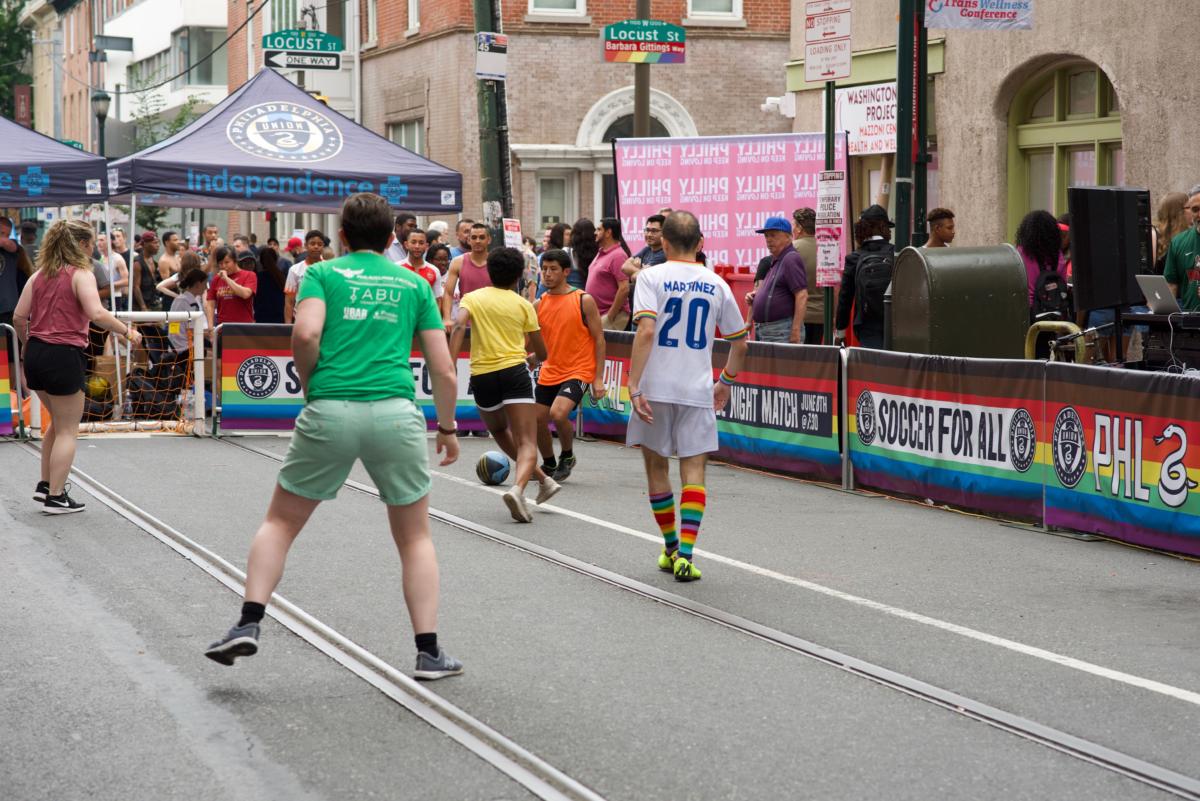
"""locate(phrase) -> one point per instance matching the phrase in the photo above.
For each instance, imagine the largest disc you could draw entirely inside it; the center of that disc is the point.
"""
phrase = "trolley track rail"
(535, 774)
(1094, 753)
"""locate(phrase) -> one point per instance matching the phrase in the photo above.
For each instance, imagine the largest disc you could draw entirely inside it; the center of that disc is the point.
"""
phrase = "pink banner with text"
(731, 183)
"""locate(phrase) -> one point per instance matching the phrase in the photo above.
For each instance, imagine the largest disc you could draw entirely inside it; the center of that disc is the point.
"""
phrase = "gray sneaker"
(547, 489)
(240, 641)
(518, 507)
(429, 668)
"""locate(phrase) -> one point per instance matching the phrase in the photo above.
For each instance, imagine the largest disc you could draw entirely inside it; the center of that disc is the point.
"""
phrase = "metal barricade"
(17, 375)
(216, 381)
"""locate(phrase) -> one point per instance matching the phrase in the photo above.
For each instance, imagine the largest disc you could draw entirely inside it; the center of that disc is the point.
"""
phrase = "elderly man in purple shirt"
(778, 303)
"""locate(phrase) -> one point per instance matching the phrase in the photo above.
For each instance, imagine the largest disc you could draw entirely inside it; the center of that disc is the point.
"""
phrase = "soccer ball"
(98, 388)
(492, 468)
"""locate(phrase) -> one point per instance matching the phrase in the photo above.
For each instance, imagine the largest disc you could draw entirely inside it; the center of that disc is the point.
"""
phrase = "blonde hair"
(1170, 218)
(63, 246)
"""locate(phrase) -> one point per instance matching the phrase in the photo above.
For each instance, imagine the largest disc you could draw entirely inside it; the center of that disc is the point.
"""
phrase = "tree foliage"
(16, 43)
(152, 127)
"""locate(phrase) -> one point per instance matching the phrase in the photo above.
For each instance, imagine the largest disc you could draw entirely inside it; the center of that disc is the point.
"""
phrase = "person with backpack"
(1039, 241)
(865, 279)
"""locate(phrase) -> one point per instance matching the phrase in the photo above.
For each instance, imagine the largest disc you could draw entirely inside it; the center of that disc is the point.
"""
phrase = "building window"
(1064, 131)
(372, 21)
(198, 59)
(409, 135)
(622, 128)
(414, 16)
(724, 9)
(285, 14)
(565, 7)
(148, 71)
(552, 201)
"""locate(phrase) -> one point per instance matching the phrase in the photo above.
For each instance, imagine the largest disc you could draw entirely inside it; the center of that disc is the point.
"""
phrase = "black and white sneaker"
(240, 641)
(61, 504)
(42, 490)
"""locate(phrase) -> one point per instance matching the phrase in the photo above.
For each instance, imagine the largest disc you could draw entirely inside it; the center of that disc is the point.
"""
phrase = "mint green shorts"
(388, 436)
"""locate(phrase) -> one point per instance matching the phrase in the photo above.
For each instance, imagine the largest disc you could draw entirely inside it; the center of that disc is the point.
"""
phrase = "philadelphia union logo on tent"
(1070, 450)
(257, 377)
(864, 417)
(285, 132)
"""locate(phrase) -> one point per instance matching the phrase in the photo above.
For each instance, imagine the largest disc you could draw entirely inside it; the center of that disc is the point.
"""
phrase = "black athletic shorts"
(502, 387)
(55, 369)
(572, 389)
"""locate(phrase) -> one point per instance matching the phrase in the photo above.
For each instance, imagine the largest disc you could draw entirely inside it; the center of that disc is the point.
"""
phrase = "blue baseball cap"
(775, 224)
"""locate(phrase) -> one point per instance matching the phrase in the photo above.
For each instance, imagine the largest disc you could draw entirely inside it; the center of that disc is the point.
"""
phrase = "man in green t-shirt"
(1183, 261)
(355, 321)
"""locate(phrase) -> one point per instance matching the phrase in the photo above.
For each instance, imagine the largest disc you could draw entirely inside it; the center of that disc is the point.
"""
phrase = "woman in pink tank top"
(51, 320)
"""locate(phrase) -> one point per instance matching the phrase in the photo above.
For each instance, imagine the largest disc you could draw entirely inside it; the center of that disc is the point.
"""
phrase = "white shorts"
(677, 430)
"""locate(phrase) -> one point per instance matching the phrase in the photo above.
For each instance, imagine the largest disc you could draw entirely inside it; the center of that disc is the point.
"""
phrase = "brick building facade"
(563, 100)
(1017, 117)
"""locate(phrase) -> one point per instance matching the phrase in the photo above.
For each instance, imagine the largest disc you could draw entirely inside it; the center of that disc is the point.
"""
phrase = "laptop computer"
(1159, 296)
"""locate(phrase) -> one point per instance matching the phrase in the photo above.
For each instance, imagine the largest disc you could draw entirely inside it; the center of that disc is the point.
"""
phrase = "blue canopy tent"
(270, 146)
(36, 170)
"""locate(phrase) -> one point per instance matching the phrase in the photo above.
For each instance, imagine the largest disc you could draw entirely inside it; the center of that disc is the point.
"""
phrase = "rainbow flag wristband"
(727, 379)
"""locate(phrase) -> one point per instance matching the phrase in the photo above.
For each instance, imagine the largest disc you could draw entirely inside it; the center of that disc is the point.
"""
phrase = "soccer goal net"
(158, 385)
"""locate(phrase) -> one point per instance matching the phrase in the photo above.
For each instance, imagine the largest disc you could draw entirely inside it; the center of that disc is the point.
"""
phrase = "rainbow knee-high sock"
(663, 505)
(691, 512)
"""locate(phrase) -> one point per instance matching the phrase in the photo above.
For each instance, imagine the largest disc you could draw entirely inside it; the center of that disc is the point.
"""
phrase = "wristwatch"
(447, 431)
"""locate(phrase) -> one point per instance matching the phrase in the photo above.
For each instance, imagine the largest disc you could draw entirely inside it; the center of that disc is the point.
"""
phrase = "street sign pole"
(490, 187)
(905, 87)
(830, 141)
(641, 85)
(827, 57)
(921, 169)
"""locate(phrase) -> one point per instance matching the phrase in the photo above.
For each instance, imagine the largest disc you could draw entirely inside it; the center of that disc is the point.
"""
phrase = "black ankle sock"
(550, 464)
(427, 643)
(566, 454)
(252, 613)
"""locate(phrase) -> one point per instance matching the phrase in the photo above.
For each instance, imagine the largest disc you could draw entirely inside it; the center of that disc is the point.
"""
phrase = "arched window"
(622, 128)
(1064, 130)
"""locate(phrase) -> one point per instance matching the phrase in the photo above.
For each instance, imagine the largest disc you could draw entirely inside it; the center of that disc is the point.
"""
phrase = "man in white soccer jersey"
(677, 307)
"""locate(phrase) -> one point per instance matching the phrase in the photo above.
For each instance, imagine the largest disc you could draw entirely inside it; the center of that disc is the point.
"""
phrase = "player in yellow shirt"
(504, 329)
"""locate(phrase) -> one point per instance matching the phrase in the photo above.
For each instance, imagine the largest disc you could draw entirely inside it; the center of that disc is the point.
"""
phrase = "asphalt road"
(108, 695)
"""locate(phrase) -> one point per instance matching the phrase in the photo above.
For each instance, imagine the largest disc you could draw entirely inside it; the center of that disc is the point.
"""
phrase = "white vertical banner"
(1002, 15)
(831, 219)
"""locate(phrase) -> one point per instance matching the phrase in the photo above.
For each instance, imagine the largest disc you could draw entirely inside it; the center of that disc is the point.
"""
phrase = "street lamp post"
(100, 102)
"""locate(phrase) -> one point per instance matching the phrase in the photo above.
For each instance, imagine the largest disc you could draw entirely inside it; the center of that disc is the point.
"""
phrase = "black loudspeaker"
(1110, 234)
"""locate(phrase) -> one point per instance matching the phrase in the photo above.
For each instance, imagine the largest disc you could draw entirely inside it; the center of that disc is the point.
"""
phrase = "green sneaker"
(666, 561)
(685, 570)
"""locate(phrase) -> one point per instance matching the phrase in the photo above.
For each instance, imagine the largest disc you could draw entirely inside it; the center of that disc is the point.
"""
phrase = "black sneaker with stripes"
(41, 491)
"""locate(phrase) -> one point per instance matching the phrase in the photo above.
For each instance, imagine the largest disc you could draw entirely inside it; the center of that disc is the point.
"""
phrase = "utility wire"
(166, 81)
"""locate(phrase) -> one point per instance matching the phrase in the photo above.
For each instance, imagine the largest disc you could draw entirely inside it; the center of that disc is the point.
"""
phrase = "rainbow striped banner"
(646, 58)
(965, 432)
(1123, 455)
(260, 389)
(6, 407)
(782, 413)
